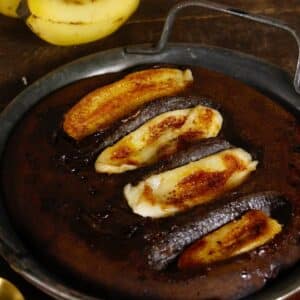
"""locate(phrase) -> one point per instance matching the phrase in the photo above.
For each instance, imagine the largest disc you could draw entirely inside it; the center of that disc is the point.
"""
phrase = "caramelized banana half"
(254, 229)
(167, 241)
(198, 182)
(158, 138)
(107, 104)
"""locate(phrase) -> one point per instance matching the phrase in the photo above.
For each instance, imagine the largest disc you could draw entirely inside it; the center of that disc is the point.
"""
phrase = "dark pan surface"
(79, 220)
(281, 124)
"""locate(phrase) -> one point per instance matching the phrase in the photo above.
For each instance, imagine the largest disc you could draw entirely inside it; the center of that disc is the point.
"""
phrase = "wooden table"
(24, 58)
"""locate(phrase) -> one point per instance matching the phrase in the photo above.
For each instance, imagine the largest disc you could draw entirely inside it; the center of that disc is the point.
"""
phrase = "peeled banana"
(195, 183)
(254, 229)
(102, 107)
(159, 137)
(9, 7)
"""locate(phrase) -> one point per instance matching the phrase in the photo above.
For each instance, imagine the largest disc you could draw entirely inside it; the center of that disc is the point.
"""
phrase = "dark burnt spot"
(207, 180)
(168, 123)
(190, 136)
(168, 149)
(199, 183)
(121, 153)
(207, 116)
(148, 194)
(233, 163)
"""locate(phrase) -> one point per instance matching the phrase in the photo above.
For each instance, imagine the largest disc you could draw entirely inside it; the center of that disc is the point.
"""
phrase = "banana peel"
(9, 7)
(66, 23)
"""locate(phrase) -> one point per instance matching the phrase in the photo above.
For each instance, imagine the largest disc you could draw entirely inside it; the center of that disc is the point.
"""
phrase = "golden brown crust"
(253, 230)
(105, 105)
(206, 183)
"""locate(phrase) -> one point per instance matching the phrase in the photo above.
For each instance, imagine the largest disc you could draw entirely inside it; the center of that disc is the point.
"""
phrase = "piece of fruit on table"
(9, 7)
(65, 23)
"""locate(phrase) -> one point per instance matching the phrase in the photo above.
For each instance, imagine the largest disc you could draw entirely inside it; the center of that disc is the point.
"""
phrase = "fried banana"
(254, 229)
(159, 138)
(195, 183)
(178, 233)
(102, 107)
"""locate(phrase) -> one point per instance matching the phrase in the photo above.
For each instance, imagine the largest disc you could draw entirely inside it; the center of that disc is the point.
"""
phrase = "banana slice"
(9, 7)
(65, 23)
(159, 138)
(198, 182)
(105, 105)
(251, 231)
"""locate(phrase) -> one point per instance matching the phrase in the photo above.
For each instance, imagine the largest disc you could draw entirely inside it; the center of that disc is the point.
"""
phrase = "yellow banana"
(66, 34)
(64, 23)
(81, 11)
(9, 7)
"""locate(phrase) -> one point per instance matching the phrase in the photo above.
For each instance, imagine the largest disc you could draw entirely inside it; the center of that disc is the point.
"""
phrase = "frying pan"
(268, 79)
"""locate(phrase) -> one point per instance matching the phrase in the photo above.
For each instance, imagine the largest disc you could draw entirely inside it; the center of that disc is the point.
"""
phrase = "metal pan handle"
(222, 8)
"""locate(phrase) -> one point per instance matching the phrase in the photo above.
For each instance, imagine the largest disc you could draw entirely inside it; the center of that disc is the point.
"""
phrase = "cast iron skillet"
(266, 78)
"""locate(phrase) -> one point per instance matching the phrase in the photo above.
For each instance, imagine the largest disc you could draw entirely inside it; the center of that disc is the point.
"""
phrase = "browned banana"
(192, 184)
(102, 107)
(252, 230)
(176, 233)
(159, 138)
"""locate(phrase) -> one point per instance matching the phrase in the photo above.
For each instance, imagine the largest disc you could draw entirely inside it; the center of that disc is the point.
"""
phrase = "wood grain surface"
(24, 57)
